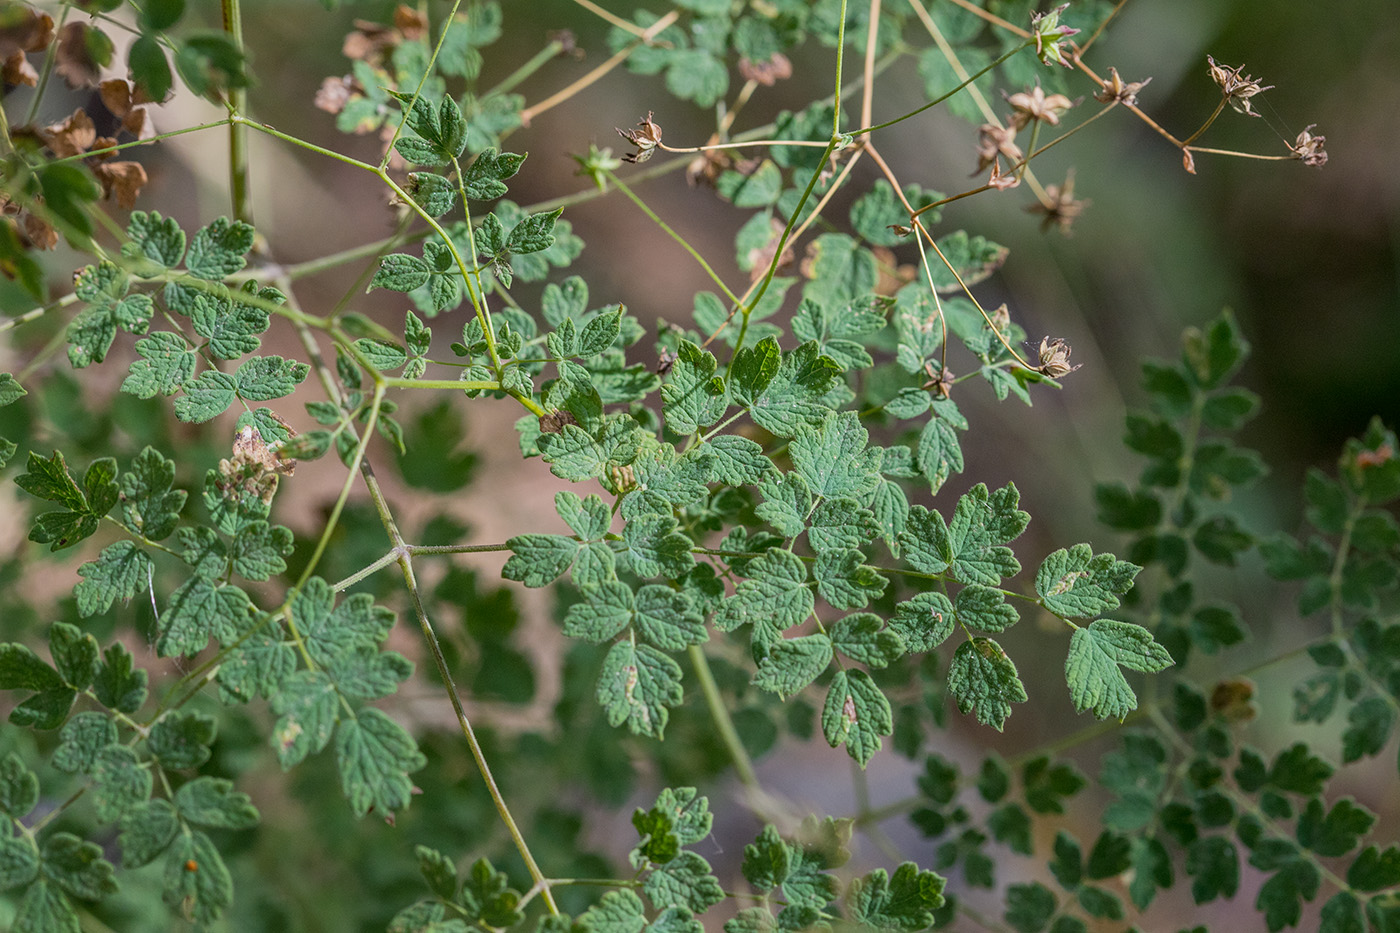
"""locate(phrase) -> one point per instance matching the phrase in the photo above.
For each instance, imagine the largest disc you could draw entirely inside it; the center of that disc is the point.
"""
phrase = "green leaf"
(217, 249)
(19, 861)
(488, 898)
(1078, 583)
(308, 708)
(534, 233)
(166, 365)
(862, 637)
(1091, 669)
(856, 714)
(74, 654)
(436, 194)
(735, 460)
(150, 72)
(986, 609)
(844, 581)
(604, 612)
(375, 756)
(696, 75)
(753, 369)
(656, 548)
(49, 479)
(197, 882)
(793, 397)
(83, 738)
(1029, 907)
(793, 663)
(212, 802)
(1152, 870)
(775, 595)
(400, 272)
(787, 502)
(759, 187)
(146, 830)
(19, 790)
(1127, 510)
(1214, 866)
(1333, 832)
(119, 782)
(693, 395)
(44, 909)
(77, 867)
(905, 901)
(983, 679)
(199, 610)
(150, 505)
(923, 622)
(685, 881)
(834, 459)
(1375, 868)
(538, 560)
(617, 912)
(181, 740)
(206, 397)
(1299, 771)
(637, 685)
(665, 618)
(264, 378)
(842, 270)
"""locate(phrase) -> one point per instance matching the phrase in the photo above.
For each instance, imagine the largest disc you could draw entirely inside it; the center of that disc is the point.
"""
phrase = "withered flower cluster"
(645, 139)
(1238, 88)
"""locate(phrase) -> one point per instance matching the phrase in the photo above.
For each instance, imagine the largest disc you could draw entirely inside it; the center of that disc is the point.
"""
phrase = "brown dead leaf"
(334, 94)
(39, 233)
(127, 104)
(75, 61)
(767, 73)
(73, 136)
(17, 70)
(123, 179)
(24, 29)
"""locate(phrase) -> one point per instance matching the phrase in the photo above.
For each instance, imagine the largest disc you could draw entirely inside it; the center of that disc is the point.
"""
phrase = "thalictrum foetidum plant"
(764, 536)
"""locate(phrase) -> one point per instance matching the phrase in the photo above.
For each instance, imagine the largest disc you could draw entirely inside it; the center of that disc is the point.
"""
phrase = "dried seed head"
(645, 139)
(1309, 147)
(1032, 105)
(1054, 358)
(993, 141)
(1237, 88)
(1061, 209)
(1003, 182)
(940, 382)
(1116, 90)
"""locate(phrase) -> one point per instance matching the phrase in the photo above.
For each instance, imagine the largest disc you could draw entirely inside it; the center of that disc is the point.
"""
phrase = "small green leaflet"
(856, 714)
(1076, 582)
(834, 459)
(971, 546)
(793, 663)
(1092, 668)
(376, 755)
(983, 679)
(637, 685)
(693, 395)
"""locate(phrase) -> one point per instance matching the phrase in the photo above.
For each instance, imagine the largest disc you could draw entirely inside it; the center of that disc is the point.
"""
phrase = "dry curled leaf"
(38, 232)
(73, 136)
(767, 73)
(127, 104)
(76, 61)
(23, 29)
(334, 94)
(122, 179)
(17, 70)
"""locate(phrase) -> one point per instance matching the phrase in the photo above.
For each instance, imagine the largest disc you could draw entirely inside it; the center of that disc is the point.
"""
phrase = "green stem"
(719, 714)
(50, 56)
(544, 55)
(238, 134)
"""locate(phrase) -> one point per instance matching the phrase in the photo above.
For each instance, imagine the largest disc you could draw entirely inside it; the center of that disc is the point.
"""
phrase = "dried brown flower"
(1054, 358)
(128, 104)
(1062, 209)
(17, 70)
(1237, 88)
(73, 136)
(25, 30)
(123, 179)
(75, 60)
(993, 141)
(1003, 182)
(1032, 105)
(1233, 700)
(939, 382)
(767, 73)
(645, 139)
(1116, 90)
(1309, 147)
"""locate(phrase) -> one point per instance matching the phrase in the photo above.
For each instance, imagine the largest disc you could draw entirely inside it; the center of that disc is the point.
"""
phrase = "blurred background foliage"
(1306, 258)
